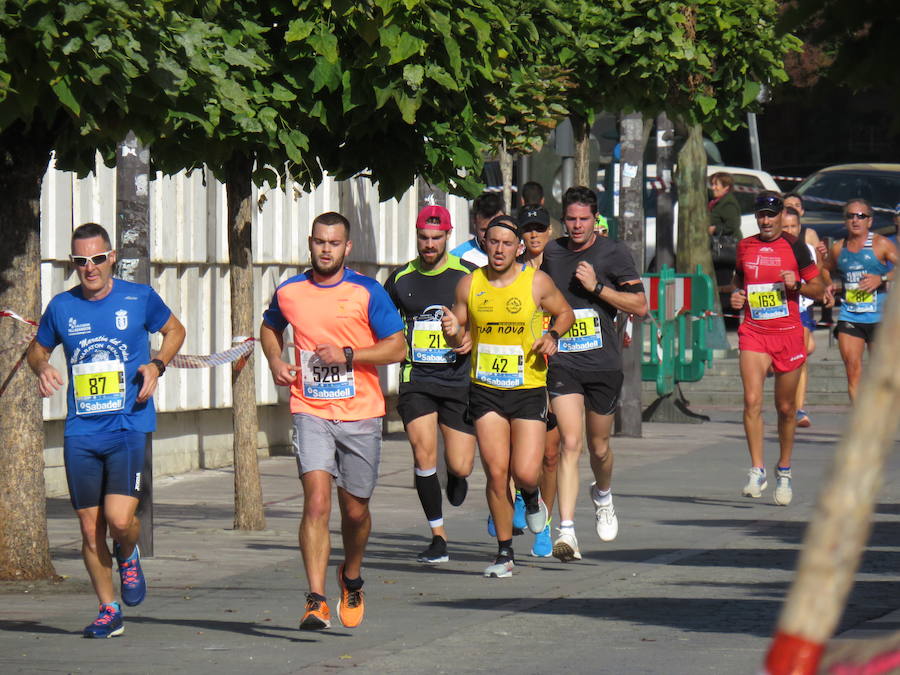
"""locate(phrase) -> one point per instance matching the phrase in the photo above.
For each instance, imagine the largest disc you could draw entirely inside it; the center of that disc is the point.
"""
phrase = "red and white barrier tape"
(726, 315)
(658, 185)
(243, 347)
(25, 339)
(13, 315)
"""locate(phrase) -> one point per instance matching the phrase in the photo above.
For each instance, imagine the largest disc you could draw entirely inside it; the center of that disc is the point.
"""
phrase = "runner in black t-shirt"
(434, 379)
(598, 278)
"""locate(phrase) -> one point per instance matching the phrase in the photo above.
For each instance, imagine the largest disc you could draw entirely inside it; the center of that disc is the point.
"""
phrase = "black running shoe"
(436, 552)
(457, 488)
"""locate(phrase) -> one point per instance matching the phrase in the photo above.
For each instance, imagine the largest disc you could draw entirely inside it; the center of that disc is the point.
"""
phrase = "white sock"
(601, 497)
(567, 527)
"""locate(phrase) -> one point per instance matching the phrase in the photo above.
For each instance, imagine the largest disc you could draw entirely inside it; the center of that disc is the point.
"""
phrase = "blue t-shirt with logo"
(105, 342)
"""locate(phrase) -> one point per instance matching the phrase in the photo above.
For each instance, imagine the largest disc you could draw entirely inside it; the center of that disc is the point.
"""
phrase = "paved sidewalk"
(693, 584)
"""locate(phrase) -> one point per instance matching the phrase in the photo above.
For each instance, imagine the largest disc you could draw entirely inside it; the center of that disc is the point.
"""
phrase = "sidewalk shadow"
(888, 509)
(240, 627)
(785, 559)
(34, 627)
(883, 534)
(685, 499)
(696, 615)
(746, 616)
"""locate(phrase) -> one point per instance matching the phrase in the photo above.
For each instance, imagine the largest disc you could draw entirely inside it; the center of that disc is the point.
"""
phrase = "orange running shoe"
(317, 615)
(352, 607)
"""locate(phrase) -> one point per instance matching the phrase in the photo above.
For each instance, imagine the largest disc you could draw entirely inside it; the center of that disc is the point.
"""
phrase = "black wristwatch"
(552, 333)
(598, 288)
(348, 354)
(160, 366)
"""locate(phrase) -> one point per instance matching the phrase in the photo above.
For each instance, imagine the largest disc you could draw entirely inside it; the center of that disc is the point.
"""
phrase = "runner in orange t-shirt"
(344, 325)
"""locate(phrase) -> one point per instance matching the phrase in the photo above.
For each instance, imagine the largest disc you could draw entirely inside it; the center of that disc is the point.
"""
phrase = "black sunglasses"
(534, 227)
(858, 216)
(82, 260)
(768, 203)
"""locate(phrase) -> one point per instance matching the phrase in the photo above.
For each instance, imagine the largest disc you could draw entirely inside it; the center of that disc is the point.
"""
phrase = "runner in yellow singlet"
(500, 306)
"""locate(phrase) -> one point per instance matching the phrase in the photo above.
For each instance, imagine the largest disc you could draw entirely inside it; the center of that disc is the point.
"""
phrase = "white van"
(747, 184)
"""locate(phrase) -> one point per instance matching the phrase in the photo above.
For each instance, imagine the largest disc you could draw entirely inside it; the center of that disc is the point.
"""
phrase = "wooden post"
(133, 264)
(837, 535)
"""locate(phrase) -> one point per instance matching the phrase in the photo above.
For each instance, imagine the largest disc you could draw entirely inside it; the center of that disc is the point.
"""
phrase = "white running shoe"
(536, 516)
(502, 567)
(607, 523)
(756, 483)
(565, 548)
(784, 493)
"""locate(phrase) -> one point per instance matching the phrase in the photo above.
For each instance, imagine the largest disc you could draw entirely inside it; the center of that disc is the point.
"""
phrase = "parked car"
(747, 184)
(825, 192)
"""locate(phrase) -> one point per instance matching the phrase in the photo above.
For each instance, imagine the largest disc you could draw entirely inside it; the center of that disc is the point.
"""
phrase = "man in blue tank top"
(861, 260)
(103, 325)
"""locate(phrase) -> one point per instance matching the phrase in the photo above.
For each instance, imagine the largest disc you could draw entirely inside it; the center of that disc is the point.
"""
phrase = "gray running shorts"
(349, 451)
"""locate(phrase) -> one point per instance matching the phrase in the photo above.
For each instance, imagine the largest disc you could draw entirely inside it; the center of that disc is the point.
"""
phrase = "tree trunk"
(693, 225)
(248, 508)
(24, 545)
(665, 155)
(133, 264)
(693, 215)
(506, 167)
(631, 233)
(582, 134)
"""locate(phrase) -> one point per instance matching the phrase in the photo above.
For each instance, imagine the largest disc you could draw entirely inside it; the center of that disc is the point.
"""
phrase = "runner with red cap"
(434, 378)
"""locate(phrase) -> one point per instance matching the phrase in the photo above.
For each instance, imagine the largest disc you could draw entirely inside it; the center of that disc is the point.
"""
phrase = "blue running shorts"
(107, 463)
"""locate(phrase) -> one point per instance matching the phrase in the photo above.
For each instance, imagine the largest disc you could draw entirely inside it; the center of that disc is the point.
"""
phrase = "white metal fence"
(189, 254)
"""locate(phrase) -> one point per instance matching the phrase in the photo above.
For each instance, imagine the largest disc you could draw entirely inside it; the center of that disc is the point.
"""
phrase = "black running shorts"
(520, 404)
(863, 331)
(448, 402)
(600, 388)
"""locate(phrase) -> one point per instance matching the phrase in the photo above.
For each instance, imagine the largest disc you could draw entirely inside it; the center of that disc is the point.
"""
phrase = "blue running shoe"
(519, 513)
(134, 588)
(492, 531)
(543, 544)
(107, 624)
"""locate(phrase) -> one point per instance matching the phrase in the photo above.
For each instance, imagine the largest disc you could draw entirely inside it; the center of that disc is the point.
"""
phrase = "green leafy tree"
(70, 75)
(394, 90)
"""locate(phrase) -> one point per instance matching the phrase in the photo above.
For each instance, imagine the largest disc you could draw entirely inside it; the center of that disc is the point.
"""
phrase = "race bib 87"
(99, 387)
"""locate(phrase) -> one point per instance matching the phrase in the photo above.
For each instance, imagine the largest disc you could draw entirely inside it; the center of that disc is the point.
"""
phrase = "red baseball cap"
(430, 212)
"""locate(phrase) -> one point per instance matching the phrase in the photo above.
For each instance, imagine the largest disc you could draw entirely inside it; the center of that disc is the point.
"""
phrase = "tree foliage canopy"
(395, 89)
(702, 61)
(78, 72)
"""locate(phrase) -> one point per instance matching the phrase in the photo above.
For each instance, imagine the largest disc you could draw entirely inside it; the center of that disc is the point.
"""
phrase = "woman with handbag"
(724, 230)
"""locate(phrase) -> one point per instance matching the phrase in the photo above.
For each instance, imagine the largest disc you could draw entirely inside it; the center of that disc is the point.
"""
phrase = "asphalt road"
(693, 584)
